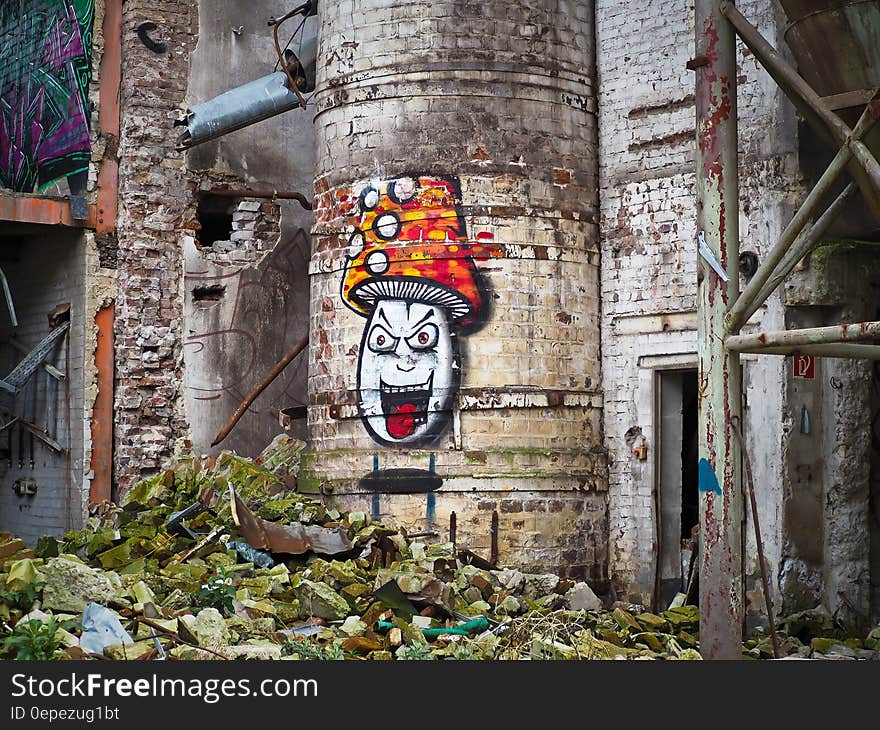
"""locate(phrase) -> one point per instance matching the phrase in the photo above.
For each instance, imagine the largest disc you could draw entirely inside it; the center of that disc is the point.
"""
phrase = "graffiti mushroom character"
(410, 271)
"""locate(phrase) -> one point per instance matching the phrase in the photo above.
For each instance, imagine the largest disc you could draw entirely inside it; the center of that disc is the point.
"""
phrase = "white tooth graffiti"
(407, 372)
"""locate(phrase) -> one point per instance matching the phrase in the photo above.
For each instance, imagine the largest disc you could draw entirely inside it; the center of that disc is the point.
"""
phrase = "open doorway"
(677, 508)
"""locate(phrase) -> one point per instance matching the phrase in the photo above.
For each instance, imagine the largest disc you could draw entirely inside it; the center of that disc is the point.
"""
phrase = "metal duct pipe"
(237, 108)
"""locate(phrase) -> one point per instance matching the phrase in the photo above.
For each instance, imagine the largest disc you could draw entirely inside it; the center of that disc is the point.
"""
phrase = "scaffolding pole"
(720, 468)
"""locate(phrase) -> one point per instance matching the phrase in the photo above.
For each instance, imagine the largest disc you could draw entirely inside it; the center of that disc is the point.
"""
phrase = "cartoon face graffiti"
(410, 271)
(408, 372)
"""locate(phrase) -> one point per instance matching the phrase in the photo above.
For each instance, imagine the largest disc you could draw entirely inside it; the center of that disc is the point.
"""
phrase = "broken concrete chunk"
(353, 626)
(321, 600)
(207, 629)
(70, 585)
(130, 650)
(512, 580)
(581, 598)
(538, 585)
(652, 622)
(253, 651)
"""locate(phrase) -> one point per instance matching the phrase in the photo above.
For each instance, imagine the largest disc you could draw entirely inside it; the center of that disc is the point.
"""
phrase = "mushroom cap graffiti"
(407, 240)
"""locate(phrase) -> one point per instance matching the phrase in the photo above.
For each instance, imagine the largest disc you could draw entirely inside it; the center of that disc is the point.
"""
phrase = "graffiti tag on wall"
(411, 272)
(45, 70)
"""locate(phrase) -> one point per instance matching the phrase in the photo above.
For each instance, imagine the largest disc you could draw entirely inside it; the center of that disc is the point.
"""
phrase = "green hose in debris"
(473, 626)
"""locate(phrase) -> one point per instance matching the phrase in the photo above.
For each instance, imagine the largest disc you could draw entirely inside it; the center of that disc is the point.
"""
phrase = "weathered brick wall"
(155, 199)
(498, 96)
(648, 243)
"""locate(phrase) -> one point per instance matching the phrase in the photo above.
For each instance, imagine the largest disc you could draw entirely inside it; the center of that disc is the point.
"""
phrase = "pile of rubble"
(219, 559)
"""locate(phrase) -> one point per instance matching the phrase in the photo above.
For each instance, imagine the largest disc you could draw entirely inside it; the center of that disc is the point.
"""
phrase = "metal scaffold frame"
(723, 309)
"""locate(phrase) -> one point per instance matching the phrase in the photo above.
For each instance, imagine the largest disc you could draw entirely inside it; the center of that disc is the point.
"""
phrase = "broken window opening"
(208, 293)
(214, 214)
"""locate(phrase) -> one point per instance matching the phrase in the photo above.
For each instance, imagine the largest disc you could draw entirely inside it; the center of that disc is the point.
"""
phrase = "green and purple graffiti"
(45, 70)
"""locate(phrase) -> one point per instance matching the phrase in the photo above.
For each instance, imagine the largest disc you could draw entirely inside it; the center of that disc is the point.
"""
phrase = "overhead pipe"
(257, 100)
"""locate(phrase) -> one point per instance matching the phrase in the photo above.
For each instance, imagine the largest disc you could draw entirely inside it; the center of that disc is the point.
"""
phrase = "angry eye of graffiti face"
(381, 340)
(407, 372)
(425, 338)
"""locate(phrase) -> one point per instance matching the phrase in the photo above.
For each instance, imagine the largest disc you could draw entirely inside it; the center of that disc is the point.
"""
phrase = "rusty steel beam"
(276, 370)
(807, 100)
(720, 473)
(750, 299)
(801, 248)
(841, 350)
(809, 336)
(46, 211)
(109, 78)
(100, 489)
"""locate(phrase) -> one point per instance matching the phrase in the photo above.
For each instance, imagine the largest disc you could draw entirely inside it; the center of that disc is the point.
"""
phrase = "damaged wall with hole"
(246, 299)
(649, 268)
(454, 352)
(212, 286)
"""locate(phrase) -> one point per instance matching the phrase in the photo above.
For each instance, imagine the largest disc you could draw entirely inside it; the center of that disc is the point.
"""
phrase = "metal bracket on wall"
(28, 365)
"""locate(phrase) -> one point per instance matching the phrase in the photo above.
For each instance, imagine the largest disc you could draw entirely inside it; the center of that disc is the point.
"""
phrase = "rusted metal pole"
(269, 194)
(810, 336)
(801, 248)
(750, 299)
(259, 388)
(753, 501)
(720, 472)
(800, 91)
(864, 352)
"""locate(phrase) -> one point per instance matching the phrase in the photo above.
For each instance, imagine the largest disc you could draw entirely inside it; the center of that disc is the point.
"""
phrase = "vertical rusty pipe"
(753, 502)
(452, 530)
(102, 410)
(720, 476)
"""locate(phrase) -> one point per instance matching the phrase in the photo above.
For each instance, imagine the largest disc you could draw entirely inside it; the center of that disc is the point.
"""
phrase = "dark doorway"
(676, 492)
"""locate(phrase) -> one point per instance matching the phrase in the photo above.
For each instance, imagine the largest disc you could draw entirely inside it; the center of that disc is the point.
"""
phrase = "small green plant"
(217, 593)
(305, 649)
(418, 651)
(463, 652)
(36, 640)
(22, 599)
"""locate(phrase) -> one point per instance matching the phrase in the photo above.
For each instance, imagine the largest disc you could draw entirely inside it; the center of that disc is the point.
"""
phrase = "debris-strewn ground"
(218, 560)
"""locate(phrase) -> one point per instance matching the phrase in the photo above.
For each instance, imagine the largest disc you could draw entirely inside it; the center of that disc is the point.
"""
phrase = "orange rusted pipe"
(259, 388)
(102, 410)
(109, 78)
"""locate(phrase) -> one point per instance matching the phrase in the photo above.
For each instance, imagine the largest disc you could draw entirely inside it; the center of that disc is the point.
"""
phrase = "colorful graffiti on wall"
(45, 70)
(411, 271)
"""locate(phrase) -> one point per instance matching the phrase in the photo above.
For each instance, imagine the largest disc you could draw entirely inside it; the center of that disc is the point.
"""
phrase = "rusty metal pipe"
(720, 374)
(808, 336)
(267, 194)
(801, 248)
(259, 388)
(860, 352)
(749, 298)
(760, 545)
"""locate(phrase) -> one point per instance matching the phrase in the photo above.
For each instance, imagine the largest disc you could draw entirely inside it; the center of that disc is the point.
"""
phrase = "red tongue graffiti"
(401, 421)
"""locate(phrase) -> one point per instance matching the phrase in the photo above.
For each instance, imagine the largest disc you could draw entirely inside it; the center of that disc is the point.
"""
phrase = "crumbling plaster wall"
(648, 241)
(261, 276)
(155, 204)
(829, 509)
